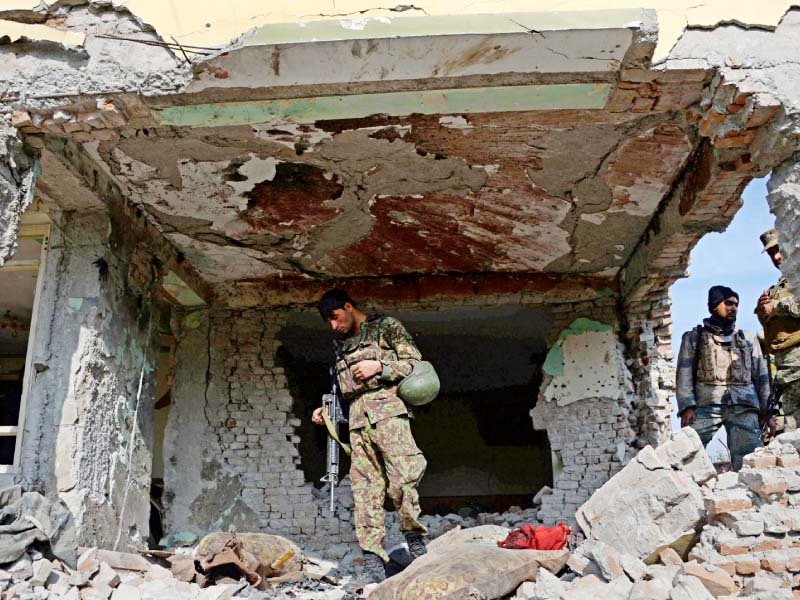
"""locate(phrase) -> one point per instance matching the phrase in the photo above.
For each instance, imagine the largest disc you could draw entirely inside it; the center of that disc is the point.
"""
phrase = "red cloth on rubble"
(529, 537)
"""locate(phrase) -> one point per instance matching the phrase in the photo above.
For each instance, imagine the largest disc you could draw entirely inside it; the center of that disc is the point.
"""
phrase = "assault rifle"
(773, 405)
(332, 415)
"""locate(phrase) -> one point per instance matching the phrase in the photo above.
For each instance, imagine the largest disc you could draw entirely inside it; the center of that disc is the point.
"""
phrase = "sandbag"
(482, 534)
(265, 547)
(467, 570)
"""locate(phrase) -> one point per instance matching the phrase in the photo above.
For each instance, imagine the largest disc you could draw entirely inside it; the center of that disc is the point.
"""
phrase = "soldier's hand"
(767, 309)
(688, 417)
(316, 416)
(365, 369)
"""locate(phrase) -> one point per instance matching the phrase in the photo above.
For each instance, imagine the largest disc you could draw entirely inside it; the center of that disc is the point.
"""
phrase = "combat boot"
(416, 545)
(374, 569)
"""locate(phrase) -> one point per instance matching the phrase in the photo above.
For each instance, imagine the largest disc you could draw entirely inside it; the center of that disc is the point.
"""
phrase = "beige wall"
(214, 23)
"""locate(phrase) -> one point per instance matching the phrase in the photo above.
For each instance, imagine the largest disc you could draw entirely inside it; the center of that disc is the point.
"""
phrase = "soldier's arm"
(403, 344)
(684, 384)
(760, 374)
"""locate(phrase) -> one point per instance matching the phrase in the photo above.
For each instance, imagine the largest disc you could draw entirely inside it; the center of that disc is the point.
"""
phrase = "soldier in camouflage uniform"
(373, 354)
(722, 378)
(779, 312)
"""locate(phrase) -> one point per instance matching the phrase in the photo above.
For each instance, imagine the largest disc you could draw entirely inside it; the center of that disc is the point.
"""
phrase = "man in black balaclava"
(722, 378)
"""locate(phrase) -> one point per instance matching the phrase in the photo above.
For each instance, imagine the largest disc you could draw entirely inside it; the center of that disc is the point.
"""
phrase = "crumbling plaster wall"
(42, 74)
(232, 424)
(88, 426)
(17, 181)
(762, 63)
(588, 408)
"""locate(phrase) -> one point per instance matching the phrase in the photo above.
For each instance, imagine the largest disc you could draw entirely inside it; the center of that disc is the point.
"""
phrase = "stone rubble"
(666, 527)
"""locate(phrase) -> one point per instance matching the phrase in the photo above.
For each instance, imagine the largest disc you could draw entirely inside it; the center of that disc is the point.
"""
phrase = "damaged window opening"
(477, 436)
(19, 278)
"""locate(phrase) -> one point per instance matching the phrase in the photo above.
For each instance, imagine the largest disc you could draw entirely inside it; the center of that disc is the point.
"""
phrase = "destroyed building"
(520, 188)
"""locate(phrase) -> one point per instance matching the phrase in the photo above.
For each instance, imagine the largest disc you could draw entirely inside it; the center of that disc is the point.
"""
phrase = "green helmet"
(421, 386)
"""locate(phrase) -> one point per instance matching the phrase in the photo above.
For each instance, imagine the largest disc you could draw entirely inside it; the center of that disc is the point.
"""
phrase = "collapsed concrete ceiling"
(562, 191)
(516, 145)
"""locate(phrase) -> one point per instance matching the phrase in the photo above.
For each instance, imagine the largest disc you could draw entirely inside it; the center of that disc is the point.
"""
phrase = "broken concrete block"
(547, 586)
(721, 502)
(764, 587)
(156, 573)
(87, 563)
(716, 581)
(182, 567)
(621, 587)
(41, 571)
(744, 523)
(654, 588)
(122, 560)
(687, 587)
(126, 592)
(605, 558)
(527, 591)
(645, 506)
(765, 483)
(684, 452)
(99, 591)
(633, 567)
(107, 576)
(668, 556)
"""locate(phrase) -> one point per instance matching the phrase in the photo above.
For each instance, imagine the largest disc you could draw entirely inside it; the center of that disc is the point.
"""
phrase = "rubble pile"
(106, 575)
(666, 527)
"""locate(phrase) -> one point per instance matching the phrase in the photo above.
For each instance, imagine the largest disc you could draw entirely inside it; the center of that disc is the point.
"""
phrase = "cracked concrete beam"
(15, 32)
(493, 46)
(705, 198)
(297, 290)
(758, 81)
(82, 172)
(18, 173)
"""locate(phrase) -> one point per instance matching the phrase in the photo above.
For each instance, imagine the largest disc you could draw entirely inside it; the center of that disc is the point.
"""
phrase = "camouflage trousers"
(790, 400)
(741, 425)
(385, 461)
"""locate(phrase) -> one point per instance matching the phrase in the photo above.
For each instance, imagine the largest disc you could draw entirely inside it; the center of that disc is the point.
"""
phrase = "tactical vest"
(720, 363)
(367, 345)
(781, 332)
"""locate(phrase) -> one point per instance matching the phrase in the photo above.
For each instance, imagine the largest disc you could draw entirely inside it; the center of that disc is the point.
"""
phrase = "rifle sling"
(332, 432)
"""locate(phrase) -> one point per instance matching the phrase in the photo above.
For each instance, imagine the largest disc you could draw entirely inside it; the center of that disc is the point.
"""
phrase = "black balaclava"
(717, 294)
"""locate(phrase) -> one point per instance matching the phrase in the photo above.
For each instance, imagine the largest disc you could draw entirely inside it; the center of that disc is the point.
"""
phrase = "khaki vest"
(719, 363)
(368, 345)
(781, 332)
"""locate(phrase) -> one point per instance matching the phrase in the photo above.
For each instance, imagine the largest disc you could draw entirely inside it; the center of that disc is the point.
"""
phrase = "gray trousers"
(741, 424)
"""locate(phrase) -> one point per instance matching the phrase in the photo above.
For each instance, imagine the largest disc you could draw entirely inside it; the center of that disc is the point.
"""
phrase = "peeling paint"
(427, 102)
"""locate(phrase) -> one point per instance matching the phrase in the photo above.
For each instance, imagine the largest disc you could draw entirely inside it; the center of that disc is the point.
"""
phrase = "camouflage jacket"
(782, 333)
(719, 369)
(386, 340)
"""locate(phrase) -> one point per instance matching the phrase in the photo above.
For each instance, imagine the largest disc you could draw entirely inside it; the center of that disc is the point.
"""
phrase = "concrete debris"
(655, 501)
(17, 182)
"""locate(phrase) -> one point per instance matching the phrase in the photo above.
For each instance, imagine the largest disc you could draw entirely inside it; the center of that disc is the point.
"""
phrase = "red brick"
(766, 545)
(773, 564)
(736, 141)
(747, 567)
(731, 550)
